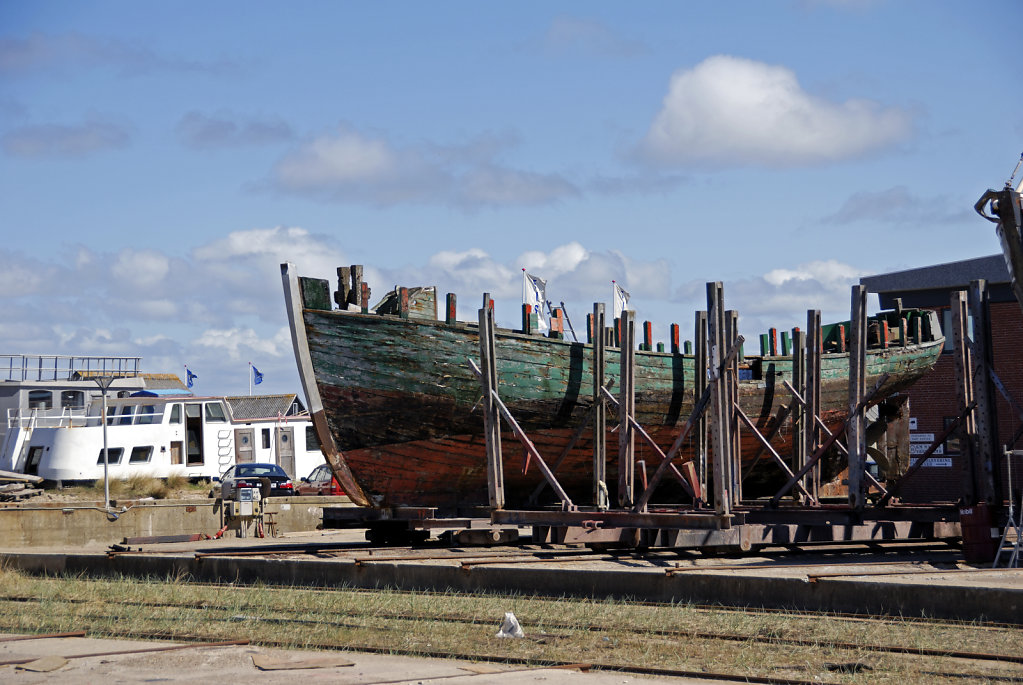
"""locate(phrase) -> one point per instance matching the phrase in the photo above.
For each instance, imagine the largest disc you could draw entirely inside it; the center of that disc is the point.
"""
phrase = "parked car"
(320, 482)
(251, 476)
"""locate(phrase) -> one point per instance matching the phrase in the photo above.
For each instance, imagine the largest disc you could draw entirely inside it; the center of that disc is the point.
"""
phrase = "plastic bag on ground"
(510, 627)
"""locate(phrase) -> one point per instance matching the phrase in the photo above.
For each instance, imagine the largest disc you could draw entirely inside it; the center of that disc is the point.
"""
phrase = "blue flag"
(257, 377)
(190, 378)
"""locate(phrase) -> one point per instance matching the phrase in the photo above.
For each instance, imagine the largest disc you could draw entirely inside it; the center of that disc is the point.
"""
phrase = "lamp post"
(104, 383)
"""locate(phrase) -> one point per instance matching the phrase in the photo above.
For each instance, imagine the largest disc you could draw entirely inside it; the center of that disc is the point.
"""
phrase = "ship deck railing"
(55, 367)
(79, 418)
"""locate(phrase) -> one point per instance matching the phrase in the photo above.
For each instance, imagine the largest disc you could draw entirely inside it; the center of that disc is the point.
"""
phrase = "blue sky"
(158, 161)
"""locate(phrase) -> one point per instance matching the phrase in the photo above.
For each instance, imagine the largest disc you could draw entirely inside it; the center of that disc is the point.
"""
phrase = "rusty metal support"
(988, 472)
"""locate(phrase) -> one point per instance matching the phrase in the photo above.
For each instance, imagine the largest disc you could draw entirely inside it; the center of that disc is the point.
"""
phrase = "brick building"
(933, 403)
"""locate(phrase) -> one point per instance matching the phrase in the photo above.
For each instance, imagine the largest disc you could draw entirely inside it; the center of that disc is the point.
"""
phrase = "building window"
(215, 413)
(40, 399)
(114, 456)
(312, 441)
(72, 399)
(266, 438)
(141, 455)
(175, 414)
(953, 443)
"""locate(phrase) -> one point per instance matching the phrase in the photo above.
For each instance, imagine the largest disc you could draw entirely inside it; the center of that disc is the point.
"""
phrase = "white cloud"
(236, 341)
(730, 111)
(353, 167)
(141, 268)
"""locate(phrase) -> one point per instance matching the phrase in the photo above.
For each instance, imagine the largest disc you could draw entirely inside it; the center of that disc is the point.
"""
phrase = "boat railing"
(55, 367)
(80, 418)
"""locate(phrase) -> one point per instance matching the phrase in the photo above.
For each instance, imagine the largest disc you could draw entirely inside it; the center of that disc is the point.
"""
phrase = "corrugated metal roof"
(260, 406)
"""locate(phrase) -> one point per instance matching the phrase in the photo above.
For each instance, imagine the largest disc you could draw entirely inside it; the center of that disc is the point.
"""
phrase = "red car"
(320, 482)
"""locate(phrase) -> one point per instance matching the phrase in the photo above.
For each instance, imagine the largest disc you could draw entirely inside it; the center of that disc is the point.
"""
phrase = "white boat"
(154, 426)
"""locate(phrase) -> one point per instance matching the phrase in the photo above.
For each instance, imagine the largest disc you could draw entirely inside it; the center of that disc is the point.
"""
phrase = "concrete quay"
(912, 582)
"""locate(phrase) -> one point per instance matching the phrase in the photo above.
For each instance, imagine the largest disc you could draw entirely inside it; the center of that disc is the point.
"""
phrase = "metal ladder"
(1014, 522)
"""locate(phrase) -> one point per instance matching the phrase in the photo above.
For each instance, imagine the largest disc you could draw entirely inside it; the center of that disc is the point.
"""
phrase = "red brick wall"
(933, 398)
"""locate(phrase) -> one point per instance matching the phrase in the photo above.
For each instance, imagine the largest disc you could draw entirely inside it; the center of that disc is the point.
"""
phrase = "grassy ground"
(137, 487)
(682, 637)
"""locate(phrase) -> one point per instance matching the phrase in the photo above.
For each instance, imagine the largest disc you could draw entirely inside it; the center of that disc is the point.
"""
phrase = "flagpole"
(250, 379)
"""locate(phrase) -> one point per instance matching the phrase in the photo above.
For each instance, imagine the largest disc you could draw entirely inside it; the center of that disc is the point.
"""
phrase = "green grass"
(566, 630)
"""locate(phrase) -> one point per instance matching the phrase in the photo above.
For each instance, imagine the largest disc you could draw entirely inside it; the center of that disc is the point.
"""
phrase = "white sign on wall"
(912, 423)
(936, 462)
(920, 448)
(921, 437)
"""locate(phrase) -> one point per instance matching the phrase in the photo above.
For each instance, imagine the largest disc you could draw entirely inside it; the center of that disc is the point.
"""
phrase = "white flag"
(621, 299)
(534, 292)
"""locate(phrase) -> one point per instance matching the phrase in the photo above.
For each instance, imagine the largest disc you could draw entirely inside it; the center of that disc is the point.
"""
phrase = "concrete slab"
(235, 664)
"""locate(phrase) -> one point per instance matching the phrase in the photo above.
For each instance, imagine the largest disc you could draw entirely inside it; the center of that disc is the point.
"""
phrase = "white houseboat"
(154, 426)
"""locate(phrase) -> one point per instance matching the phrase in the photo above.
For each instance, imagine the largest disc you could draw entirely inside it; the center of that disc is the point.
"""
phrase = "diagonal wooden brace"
(691, 487)
(812, 461)
(698, 410)
(566, 502)
(770, 450)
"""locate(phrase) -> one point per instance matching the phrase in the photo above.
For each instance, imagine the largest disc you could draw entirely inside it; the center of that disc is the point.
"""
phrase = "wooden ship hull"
(397, 406)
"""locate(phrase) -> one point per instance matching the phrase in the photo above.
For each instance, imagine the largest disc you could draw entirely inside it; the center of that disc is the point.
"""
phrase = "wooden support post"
(989, 474)
(857, 425)
(734, 428)
(626, 408)
(491, 418)
(364, 297)
(811, 441)
(648, 337)
(451, 309)
(720, 423)
(786, 346)
(675, 335)
(772, 341)
(600, 494)
(799, 414)
(590, 337)
(701, 364)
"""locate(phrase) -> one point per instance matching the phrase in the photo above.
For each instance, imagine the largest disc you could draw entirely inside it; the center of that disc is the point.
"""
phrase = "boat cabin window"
(193, 411)
(148, 414)
(266, 438)
(114, 457)
(126, 413)
(215, 413)
(40, 399)
(141, 455)
(124, 393)
(175, 416)
(312, 441)
(72, 399)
